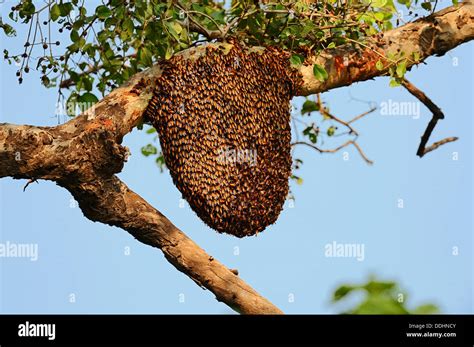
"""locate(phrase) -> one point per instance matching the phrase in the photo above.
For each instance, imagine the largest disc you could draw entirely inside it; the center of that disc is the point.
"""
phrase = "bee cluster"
(228, 100)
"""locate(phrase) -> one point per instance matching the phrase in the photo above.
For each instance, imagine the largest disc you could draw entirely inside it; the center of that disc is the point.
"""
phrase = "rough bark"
(433, 35)
(84, 154)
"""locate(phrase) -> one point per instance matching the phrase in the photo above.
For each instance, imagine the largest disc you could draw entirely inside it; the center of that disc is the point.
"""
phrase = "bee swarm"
(223, 121)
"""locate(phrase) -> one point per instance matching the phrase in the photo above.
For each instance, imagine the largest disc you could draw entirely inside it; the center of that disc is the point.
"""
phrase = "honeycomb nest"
(223, 120)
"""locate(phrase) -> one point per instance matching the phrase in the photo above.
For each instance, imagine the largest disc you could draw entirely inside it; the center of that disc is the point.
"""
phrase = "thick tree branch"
(83, 155)
(111, 202)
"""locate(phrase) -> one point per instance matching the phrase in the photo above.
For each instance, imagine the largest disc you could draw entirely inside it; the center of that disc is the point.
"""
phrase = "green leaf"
(87, 83)
(103, 12)
(394, 83)
(169, 53)
(46, 81)
(219, 17)
(144, 56)
(379, 65)
(401, 69)
(426, 6)
(307, 28)
(298, 180)
(54, 12)
(407, 3)
(380, 297)
(7, 29)
(71, 105)
(82, 42)
(379, 16)
(177, 27)
(313, 137)
(320, 72)
(425, 309)
(342, 292)
(160, 161)
(27, 9)
(65, 9)
(416, 56)
(308, 129)
(296, 59)
(149, 150)
(74, 36)
(380, 304)
(174, 29)
(127, 29)
(331, 130)
(378, 3)
(378, 287)
(88, 98)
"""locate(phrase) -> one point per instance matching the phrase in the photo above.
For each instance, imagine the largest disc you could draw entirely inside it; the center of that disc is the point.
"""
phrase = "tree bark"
(84, 154)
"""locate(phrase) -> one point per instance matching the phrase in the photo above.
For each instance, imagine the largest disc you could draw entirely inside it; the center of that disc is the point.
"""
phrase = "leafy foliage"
(380, 297)
(104, 46)
(88, 50)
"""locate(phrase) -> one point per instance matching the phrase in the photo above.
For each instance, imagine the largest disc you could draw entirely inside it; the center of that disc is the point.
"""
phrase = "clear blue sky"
(342, 201)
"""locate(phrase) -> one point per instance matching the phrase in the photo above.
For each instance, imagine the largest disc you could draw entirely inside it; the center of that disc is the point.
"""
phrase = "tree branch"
(83, 156)
(337, 149)
(437, 115)
(433, 35)
(111, 202)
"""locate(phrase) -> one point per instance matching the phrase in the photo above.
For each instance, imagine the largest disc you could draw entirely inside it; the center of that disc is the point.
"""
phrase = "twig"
(196, 26)
(440, 143)
(334, 150)
(437, 115)
(324, 111)
(210, 18)
(351, 131)
(209, 34)
(31, 180)
(362, 115)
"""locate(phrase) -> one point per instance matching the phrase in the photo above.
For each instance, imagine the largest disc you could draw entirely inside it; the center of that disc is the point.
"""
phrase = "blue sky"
(86, 267)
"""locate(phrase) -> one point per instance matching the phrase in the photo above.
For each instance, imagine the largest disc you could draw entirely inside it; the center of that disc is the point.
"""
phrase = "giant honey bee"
(237, 107)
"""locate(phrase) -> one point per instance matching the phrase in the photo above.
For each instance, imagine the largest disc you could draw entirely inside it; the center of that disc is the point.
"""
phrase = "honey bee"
(201, 105)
